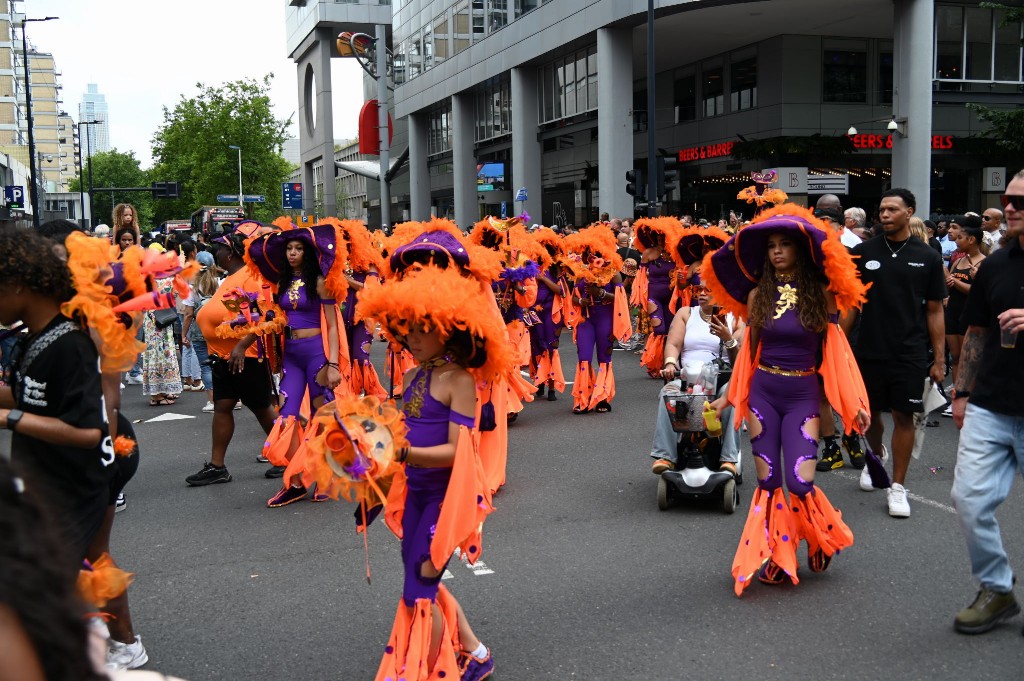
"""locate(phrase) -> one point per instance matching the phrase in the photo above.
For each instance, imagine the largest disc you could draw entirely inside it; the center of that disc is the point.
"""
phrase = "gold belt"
(779, 371)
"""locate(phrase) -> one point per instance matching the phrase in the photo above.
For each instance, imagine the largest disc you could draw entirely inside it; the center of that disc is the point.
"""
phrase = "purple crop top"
(430, 427)
(303, 313)
(786, 344)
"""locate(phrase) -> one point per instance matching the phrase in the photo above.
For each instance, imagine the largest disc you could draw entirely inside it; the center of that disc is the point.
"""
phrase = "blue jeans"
(202, 356)
(990, 455)
(664, 444)
(136, 371)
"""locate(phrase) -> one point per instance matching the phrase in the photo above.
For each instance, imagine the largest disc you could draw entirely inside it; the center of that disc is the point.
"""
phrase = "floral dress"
(160, 374)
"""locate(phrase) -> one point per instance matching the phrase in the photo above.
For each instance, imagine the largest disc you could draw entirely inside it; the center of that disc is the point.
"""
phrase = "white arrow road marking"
(169, 417)
(478, 568)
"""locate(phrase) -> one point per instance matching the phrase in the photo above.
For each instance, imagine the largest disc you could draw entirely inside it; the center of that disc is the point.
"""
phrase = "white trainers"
(133, 380)
(899, 507)
(865, 475)
(208, 409)
(120, 503)
(126, 655)
(948, 411)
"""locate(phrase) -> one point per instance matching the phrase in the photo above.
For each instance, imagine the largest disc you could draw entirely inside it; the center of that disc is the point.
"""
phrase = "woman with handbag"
(161, 378)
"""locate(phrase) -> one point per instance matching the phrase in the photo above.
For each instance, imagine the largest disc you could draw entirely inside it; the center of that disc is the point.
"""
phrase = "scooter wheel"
(663, 502)
(730, 496)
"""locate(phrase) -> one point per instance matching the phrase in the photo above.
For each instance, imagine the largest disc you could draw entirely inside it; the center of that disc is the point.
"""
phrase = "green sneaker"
(831, 458)
(988, 609)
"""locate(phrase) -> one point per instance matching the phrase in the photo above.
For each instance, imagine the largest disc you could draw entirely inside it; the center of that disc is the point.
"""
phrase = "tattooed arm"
(970, 360)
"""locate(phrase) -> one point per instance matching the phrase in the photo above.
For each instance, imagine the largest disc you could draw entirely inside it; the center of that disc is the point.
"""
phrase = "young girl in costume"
(600, 315)
(652, 289)
(441, 498)
(304, 267)
(789, 275)
(552, 289)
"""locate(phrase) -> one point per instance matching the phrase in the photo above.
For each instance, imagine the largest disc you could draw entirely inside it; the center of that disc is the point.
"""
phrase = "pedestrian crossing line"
(915, 497)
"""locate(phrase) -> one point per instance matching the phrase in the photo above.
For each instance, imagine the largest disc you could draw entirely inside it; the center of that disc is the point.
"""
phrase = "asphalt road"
(585, 578)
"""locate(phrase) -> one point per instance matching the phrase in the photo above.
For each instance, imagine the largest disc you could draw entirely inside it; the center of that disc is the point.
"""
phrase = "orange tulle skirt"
(590, 388)
(364, 380)
(548, 367)
(653, 358)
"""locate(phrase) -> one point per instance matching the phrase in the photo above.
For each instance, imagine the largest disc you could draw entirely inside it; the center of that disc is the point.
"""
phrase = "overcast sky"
(145, 55)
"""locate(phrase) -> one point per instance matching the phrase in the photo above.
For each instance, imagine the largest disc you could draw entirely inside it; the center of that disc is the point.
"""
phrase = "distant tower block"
(312, 29)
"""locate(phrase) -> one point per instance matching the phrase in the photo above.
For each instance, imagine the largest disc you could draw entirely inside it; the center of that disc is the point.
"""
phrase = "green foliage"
(1005, 126)
(115, 169)
(191, 147)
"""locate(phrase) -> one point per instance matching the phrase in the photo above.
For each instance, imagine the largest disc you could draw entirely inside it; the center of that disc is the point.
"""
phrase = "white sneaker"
(120, 503)
(133, 380)
(899, 507)
(948, 411)
(865, 475)
(126, 655)
(238, 405)
(208, 409)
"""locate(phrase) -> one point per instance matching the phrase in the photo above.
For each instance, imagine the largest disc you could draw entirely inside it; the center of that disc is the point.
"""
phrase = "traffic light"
(166, 190)
(667, 175)
(636, 183)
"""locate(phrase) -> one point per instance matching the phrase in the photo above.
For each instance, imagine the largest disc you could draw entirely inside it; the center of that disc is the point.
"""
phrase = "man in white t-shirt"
(992, 223)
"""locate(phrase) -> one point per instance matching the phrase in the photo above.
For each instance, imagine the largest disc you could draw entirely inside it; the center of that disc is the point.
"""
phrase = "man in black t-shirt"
(902, 317)
(988, 406)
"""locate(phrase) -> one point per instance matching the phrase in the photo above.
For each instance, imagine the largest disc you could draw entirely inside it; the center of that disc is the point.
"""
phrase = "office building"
(93, 107)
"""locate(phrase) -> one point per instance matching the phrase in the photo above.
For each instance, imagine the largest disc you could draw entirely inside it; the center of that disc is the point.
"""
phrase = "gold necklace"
(414, 406)
(705, 317)
(785, 277)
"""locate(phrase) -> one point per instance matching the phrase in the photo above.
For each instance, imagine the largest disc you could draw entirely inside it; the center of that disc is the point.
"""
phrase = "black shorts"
(252, 386)
(893, 385)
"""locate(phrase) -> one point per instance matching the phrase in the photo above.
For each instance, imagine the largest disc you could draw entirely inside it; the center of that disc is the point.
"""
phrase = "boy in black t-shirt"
(988, 404)
(902, 317)
(54, 401)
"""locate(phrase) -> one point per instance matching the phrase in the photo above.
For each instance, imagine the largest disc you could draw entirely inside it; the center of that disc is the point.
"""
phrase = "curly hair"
(310, 272)
(38, 586)
(812, 309)
(28, 260)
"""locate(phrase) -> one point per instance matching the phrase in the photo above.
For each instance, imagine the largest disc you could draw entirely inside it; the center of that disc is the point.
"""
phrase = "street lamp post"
(241, 197)
(34, 192)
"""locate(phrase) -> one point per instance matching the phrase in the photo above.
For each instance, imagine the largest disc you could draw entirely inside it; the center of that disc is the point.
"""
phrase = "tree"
(192, 147)
(115, 169)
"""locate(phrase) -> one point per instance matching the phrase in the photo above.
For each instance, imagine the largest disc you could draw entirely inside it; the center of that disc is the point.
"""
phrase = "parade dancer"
(688, 246)
(789, 275)
(304, 268)
(547, 317)
(652, 289)
(361, 272)
(439, 501)
(600, 315)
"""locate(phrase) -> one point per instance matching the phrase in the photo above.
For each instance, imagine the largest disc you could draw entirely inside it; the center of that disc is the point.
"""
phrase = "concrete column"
(419, 174)
(464, 161)
(614, 125)
(912, 98)
(316, 137)
(526, 148)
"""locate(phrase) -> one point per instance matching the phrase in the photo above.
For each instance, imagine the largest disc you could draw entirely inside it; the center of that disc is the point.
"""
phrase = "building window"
(713, 95)
(460, 27)
(845, 74)
(568, 86)
(440, 39)
(497, 14)
(592, 78)
(414, 57)
(493, 109)
(479, 20)
(440, 134)
(640, 110)
(885, 66)
(976, 49)
(685, 97)
(743, 84)
(399, 64)
(428, 48)
(524, 6)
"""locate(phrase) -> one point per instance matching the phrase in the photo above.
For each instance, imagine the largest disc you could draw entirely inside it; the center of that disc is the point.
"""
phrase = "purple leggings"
(359, 339)
(303, 358)
(596, 330)
(783, 405)
(544, 336)
(424, 493)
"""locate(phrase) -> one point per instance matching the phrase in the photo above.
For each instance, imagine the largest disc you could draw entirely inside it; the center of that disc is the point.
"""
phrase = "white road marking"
(169, 417)
(447, 574)
(915, 497)
(479, 568)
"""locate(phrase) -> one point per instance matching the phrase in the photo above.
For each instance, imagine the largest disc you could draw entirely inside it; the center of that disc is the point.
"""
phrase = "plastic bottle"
(711, 421)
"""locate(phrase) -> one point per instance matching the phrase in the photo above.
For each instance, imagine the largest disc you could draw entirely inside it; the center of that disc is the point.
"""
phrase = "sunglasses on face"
(1015, 200)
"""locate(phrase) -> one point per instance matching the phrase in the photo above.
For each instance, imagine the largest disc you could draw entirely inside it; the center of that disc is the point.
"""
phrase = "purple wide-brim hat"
(739, 264)
(430, 243)
(267, 252)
